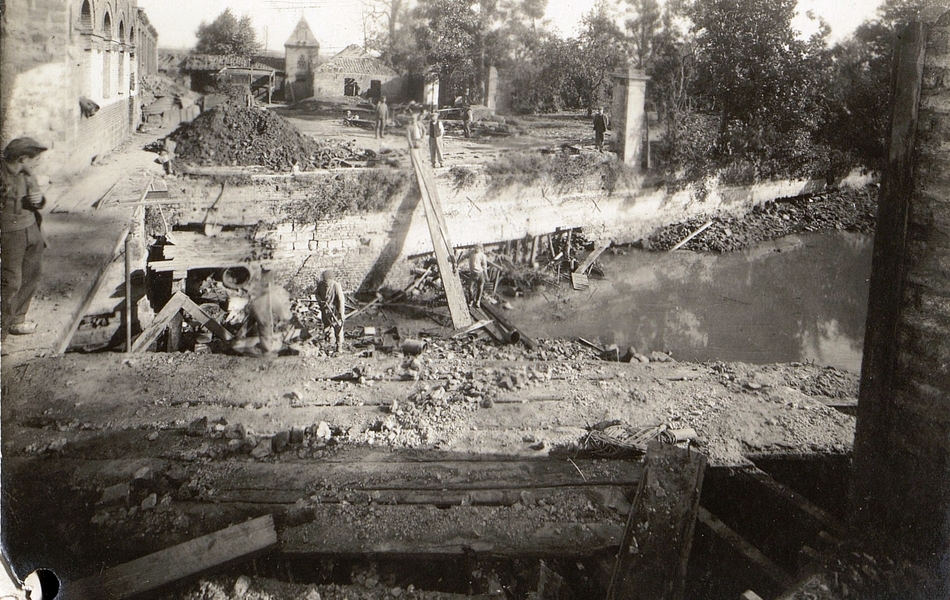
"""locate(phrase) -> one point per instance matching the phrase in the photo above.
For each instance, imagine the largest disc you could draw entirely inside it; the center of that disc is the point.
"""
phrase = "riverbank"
(850, 209)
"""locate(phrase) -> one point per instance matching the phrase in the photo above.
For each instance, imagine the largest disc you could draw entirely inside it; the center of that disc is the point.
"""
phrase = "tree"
(385, 17)
(601, 52)
(765, 83)
(227, 35)
(644, 26)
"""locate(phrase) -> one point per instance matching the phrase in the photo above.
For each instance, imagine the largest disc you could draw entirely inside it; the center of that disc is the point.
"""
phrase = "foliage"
(601, 53)
(227, 35)
(564, 172)
(348, 193)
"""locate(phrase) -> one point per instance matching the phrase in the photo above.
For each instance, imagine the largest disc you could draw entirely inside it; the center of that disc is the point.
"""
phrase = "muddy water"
(795, 299)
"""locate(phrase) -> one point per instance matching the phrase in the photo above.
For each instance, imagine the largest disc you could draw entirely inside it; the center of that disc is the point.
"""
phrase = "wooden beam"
(750, 552)
(67, 336)
(161, 321)
(204, 319)
(651, 563)
(442, 245)
(598, 250)
(797, 501)
(178, 562)
(691, 236)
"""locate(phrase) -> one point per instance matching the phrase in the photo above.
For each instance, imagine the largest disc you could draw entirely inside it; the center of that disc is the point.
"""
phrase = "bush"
(349, 193)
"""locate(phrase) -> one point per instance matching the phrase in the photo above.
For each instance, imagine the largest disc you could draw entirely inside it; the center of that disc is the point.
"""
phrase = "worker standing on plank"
(20, 236)
(268, 310)
(382, 114)
(332, 307)
(436, 137)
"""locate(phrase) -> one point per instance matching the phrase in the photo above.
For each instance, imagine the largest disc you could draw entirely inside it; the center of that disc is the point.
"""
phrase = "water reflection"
(798, 298)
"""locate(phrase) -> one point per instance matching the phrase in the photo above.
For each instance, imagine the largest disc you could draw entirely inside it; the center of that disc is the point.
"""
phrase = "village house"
(354, 72)
(70, 75)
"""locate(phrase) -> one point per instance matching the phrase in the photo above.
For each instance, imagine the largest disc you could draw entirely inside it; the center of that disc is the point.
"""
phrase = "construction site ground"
(466, 449)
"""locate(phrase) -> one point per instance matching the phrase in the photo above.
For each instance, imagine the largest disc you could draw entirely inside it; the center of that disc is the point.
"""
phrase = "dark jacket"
(601, 122)
(16, 213)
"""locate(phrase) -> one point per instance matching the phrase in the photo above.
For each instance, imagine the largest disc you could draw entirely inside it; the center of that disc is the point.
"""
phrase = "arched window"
(132, 39)
(121, 31)
(85, 16)
(107, 27)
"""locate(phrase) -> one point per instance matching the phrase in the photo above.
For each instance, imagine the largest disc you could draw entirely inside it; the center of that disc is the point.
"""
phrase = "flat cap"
(23, 146)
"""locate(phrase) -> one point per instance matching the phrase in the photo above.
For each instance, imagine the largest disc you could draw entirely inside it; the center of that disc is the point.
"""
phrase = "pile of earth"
(230, 135)
(844, 210)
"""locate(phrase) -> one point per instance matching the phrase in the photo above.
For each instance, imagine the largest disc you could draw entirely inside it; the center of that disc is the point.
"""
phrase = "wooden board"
(598, 250)
(442, 245)
(178, 302)
(651, 564)
(746, 549)
(175, 563)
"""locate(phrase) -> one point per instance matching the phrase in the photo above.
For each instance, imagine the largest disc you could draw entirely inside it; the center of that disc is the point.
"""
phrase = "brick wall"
(902, 440)
(49, 61)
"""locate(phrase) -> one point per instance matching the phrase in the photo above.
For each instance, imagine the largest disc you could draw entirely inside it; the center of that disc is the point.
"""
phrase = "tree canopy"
(227, 35)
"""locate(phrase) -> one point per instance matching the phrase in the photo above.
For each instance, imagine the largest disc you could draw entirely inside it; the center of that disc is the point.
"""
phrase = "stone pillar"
(491, 89)
(627, 114)
(901, 485)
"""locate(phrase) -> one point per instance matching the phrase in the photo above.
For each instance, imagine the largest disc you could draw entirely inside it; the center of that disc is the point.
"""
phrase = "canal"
(799, 298)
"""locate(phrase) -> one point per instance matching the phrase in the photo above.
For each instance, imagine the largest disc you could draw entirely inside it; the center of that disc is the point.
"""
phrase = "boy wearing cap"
(21, 240)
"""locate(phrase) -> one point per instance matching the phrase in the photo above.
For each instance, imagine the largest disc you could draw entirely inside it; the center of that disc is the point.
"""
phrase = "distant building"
(69, 76)
(146, 45)
(354, 72)
(301, 53)
(206, 71)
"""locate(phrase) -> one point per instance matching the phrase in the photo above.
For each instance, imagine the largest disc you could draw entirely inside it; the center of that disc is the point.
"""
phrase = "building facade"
(354, 72)
(301, 53)
(70, 76)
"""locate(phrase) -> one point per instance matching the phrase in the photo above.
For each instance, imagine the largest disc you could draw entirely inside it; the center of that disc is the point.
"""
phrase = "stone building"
(146, 45)
(354, 72)
(301, 54)
(59, 55)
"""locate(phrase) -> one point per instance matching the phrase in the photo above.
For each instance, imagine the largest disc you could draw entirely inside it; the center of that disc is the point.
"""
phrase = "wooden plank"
(691, 236)
(746, 549)
(204, 319)
(651, 563)
(442, 245)
(172, 564)
(598, 250)
(426, 531)
(161, 321)
(580, 281)
(80, 313)
(797, 501)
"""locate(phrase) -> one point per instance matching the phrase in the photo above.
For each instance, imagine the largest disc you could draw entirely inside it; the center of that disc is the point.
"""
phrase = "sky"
(338, 23)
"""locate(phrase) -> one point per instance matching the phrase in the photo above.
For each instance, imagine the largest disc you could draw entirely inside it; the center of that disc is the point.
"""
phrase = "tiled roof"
(354, 59)
(211, 62)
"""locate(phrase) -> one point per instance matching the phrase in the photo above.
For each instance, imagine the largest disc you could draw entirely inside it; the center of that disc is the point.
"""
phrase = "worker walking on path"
(467, 117)
(478, 269)
(21, 239)
(332, 307)
(436, 137)
(382, 115)
(601, 124)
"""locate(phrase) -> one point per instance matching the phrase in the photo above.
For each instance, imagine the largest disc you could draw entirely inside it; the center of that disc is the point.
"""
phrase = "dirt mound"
(229, 135)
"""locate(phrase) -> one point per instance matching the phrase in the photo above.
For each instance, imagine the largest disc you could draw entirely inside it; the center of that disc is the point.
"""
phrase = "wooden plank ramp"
(597, 251)
(441, 243)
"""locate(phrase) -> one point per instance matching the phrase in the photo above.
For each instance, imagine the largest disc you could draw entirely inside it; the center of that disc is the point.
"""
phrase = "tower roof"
(302, 35)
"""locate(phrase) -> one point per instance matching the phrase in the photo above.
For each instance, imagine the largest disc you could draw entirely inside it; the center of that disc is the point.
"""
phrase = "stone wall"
(902, 440)
(369, 250)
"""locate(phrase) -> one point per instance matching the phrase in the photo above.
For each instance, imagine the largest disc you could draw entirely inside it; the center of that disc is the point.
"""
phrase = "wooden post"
(651, 562)
(128, 294)
(174, 326)
(534, 249)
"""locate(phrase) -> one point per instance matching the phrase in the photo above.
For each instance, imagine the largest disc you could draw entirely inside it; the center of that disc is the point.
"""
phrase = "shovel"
(213, 228)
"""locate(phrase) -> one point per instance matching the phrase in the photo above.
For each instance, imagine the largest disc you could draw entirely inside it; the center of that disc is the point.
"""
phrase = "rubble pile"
(231, 135)
(845, 210)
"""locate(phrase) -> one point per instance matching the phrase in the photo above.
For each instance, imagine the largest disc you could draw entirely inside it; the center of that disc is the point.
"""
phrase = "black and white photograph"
(475, 299)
